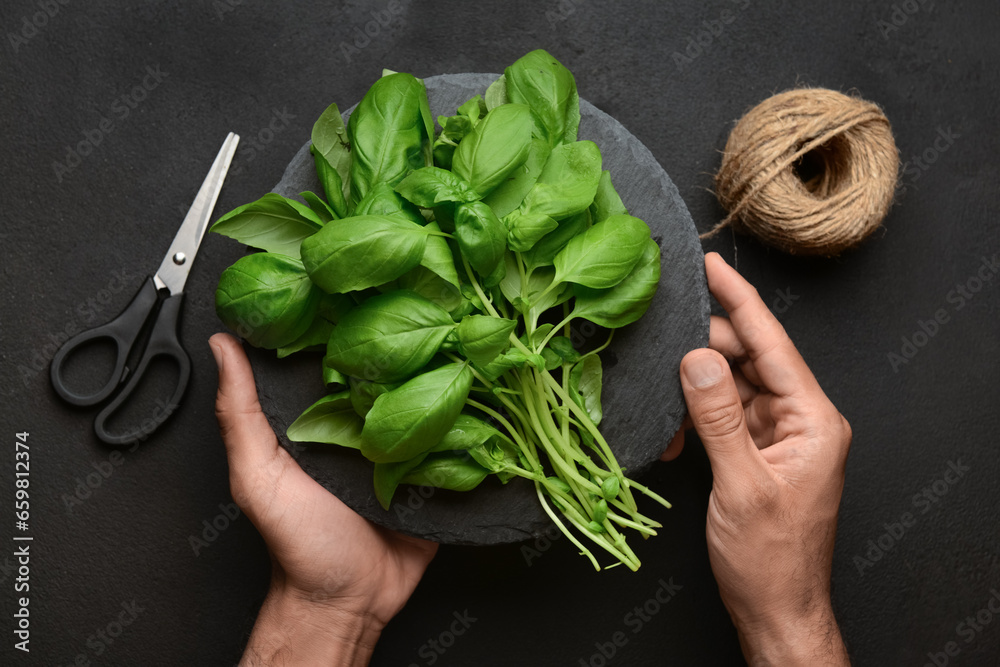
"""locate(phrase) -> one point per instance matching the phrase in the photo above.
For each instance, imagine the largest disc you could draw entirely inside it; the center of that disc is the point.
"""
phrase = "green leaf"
(483, 337)
(429, 285)
(627, 301)
(536, 295)
(362, 251)
(540, 81)
(585, 380)
(455, 471)
(606, 200)
(466, 433)
(564, 348)
(330, 139)
(389, 133)
(383, 200)
(389, 475)
(319, 207)
(272, 223)
(438, 256)
(332, 184)
(389, 337)
(508, 195)
(494, 148)
(266, 299)
(513, 358)
(412, 418)
(496, 94)
(432, 186)
(524, 230)
(332, 378)
(544, 252)
(364, 393)
(329, 420)
(315, 336)
(604, 254)
(568, 181)
(481, 236)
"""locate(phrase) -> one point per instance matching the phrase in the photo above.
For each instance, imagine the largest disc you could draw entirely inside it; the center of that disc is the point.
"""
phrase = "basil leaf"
(388, 337)
(606, 200)
(496, 94)
(410, 419)
(319, 207)
(329, 420)
(332, 378)
(316, 335)
(332, 184)
(389, 133)
(266, 299)
(364, 393)
(585, 386)
(604, 254)
(564, 348)
(272, 223)
(627, 301)
(543, 253)
(494, 148)
(508, 195)
(455, 471)
(481, 237)
(431, 286)
(431, 186)
(483, 337)
(330, 140)
(389, 475)
(540, 81)
(511, 359)
(466, 433)
(438, 256)
(383, 200)
(524, 230)
(568, 181)
(362, 251)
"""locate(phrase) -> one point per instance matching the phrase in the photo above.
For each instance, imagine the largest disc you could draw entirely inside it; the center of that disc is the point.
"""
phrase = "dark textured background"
(230, 65)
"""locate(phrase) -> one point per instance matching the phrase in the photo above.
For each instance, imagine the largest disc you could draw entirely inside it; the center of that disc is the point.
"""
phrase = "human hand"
(337, 579)
(778, 449)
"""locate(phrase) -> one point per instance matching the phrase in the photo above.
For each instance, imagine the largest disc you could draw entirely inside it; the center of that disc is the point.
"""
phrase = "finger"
(778, 364)
(723, 339)
(717, 413)
(675, 447)
(249, 439)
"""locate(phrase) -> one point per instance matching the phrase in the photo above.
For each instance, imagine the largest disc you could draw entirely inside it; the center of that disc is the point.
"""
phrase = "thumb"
(717, 414)
(249, 438)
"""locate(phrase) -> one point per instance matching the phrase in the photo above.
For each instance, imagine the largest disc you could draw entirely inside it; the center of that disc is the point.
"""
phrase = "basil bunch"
(441, 272)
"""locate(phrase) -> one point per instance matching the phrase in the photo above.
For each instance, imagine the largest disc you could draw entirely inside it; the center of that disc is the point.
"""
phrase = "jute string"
(810, 171)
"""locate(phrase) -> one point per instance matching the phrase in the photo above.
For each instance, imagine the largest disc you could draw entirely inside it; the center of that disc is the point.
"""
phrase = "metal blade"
(174, 269)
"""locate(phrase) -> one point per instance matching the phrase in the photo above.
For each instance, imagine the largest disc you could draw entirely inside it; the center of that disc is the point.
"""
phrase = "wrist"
(809, 639)
(293, 630)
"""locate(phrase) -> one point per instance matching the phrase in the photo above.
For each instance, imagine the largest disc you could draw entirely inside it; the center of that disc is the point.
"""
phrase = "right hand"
(778, 449)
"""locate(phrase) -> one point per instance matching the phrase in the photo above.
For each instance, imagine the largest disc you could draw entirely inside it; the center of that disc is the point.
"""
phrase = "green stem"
(565, 531)
(479, 290)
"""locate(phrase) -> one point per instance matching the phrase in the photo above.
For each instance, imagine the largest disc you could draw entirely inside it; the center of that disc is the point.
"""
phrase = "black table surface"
(126, 567)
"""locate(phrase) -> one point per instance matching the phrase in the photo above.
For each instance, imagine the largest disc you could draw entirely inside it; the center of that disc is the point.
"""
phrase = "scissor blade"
(174, 269)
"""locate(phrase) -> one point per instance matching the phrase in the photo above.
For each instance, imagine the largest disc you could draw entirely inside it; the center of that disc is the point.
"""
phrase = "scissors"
(158, 300)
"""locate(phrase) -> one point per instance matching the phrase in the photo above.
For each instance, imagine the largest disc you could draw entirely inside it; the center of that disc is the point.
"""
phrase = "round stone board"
(642, 399)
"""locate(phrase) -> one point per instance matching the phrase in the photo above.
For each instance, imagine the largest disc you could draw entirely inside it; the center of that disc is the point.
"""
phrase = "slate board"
(642, 399)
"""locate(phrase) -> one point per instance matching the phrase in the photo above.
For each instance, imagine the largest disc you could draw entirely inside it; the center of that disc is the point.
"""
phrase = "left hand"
(337, 578)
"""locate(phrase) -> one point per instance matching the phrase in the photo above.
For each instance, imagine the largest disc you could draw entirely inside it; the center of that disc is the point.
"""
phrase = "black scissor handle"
(163, 342)
(123, 330)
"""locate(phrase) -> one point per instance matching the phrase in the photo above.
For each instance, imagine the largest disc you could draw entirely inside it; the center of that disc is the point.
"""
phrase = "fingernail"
(703, 371)
(217, 353)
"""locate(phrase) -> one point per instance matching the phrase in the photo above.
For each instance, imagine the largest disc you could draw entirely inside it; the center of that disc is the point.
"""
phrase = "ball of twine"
(810, 171)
